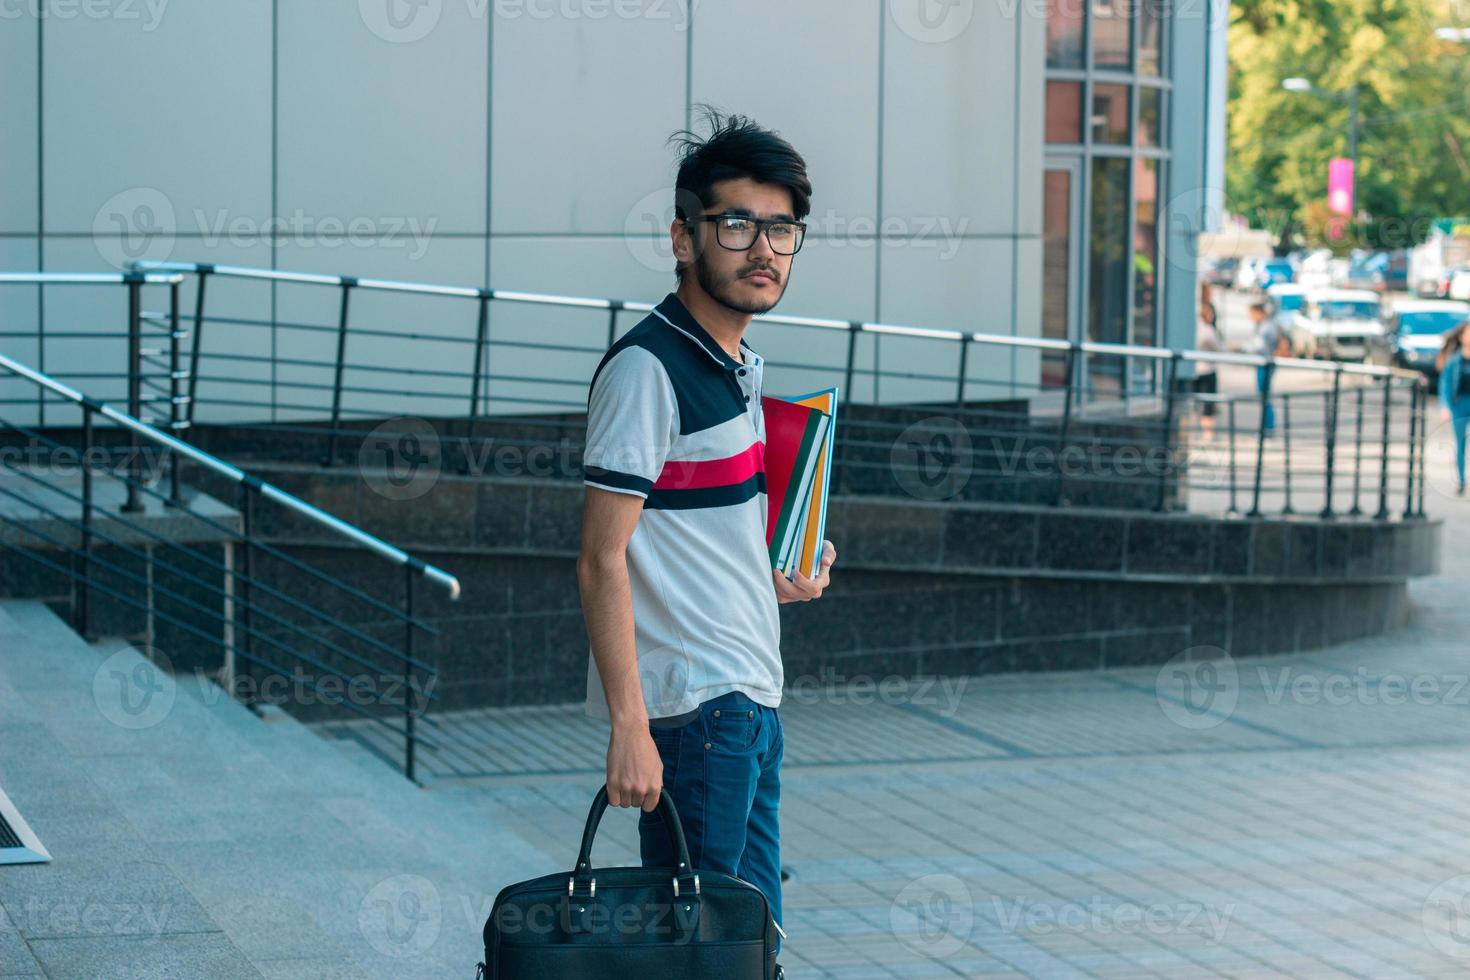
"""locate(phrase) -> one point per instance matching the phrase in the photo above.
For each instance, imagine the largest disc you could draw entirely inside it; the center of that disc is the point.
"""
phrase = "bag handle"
(583, 871)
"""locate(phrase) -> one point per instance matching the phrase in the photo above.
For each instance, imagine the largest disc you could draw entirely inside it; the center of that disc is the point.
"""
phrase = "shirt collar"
(673, 312)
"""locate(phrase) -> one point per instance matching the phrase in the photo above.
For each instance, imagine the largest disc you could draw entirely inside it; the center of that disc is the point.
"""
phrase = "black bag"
(631, 923)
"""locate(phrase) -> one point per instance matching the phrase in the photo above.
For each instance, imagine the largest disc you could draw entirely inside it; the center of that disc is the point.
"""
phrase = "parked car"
(1246, 272)
(1220, 271)
(1418, 327)
(1285, 299)
(1383, 271)
(1455, 283)
(1390, 271)
(1315, 269)
(1338, 324)
(1272, 271)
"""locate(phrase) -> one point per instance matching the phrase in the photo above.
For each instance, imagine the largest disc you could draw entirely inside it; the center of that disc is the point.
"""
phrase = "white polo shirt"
(672, 418)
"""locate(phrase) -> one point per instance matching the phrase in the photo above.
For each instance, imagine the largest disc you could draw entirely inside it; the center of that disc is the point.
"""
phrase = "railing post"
(1414, 394)
(1286, 449)
(84, 554)
(844, 407)
(959, 389)
(132, 505)
(1423, 441)
(1170, 395)
(204, 270)
(1230, 413)
(482, 332)
(1265, 399)
(615, 306)
(409, 739)
(1334, 406)
(1357, 509)
(1383, 457)
(1064, 431)
(244, 640)
(175, 494)
(347, 283)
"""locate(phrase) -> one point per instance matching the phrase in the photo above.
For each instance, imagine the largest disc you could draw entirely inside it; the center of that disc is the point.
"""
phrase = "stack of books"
(798, 460)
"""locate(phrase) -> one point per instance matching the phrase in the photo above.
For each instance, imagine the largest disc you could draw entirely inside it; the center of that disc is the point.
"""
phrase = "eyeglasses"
(738, 232)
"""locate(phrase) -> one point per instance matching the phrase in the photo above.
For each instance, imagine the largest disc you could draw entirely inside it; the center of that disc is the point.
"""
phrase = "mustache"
(774, 273)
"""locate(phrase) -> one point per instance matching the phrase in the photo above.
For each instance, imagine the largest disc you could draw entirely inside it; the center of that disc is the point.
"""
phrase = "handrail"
(85, 278)
(861, 326)
(382, 548)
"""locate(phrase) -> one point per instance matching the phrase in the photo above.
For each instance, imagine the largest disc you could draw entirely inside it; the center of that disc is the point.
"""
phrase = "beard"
(722, 288)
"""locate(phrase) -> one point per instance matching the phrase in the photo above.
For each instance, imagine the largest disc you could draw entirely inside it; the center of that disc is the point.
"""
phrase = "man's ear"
(682, 241)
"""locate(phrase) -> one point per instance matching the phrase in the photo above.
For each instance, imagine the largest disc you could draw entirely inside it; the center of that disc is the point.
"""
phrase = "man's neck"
(723, 324)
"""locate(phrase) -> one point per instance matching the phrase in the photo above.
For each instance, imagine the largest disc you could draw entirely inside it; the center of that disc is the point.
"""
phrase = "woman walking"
(1453, 364)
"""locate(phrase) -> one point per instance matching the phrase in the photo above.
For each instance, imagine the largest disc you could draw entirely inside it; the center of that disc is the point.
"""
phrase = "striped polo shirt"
(674, 419)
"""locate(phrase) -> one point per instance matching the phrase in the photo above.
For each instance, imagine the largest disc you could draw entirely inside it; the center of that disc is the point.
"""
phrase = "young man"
(677, 587)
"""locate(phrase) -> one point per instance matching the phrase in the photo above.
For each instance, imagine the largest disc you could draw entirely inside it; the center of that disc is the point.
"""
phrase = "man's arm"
(634, 767)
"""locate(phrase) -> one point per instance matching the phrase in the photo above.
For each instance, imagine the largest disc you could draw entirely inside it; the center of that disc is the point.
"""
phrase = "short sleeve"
(632, 421)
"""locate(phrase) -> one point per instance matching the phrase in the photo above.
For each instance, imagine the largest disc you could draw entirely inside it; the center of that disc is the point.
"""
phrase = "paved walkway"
(1299, 816)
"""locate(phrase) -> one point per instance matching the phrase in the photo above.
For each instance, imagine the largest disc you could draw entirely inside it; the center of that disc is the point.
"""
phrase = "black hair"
(736, 147)
(1260, 307)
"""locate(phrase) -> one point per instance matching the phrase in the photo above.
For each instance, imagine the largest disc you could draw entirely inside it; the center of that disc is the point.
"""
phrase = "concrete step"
(283, 853)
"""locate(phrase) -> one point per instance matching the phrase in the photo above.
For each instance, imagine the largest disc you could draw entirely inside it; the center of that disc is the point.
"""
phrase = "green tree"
(1414, 115)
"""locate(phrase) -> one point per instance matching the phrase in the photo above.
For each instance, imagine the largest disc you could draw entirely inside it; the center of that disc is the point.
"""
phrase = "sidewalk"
(1298, 816)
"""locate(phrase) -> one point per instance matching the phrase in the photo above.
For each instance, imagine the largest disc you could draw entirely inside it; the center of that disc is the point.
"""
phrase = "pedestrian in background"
(1208, 337)
(1269, 342)
(1453, 364)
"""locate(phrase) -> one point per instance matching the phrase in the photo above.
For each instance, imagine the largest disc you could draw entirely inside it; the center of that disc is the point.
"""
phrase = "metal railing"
(1004, 434)
(247, 617)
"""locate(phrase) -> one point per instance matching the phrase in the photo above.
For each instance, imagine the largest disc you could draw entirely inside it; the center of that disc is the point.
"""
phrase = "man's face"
(747, 281)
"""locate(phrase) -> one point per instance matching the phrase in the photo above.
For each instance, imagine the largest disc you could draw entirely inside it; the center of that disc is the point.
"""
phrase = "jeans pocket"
(735, 727)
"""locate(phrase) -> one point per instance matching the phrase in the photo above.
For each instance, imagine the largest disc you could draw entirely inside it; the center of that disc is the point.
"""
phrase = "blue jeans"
(1462, 423)
(1263, 385)
(723, 770)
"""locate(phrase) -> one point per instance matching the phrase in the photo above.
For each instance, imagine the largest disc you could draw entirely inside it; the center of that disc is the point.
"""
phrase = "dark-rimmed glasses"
(738, 232)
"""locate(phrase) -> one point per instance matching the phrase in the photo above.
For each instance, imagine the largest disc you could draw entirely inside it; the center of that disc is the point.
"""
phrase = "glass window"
(1064, 33)
(1152, 16)
(1150, 116)
(1145, 248)
(1056, 272)
(1109, 113)
(1064, 112)
(1107, 287)
(1112, 34)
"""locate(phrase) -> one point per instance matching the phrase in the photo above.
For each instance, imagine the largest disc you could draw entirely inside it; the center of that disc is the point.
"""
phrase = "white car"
(1285, 299)
(1248, 272)
(1338, 324)
(1457, 283)
(1419, 326)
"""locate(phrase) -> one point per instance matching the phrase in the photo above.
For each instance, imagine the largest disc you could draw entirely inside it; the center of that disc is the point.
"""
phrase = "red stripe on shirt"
(693, 474)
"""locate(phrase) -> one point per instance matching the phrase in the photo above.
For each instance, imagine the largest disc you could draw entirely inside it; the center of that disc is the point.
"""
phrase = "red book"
(793, 434)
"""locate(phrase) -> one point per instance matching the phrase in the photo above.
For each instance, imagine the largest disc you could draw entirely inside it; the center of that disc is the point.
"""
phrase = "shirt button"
(747, 398)
(742, 372)
(717, 712)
